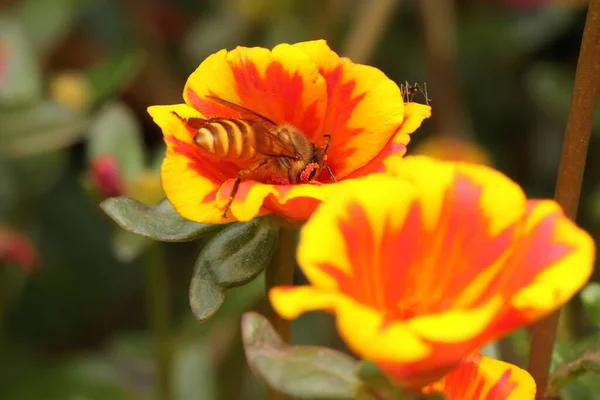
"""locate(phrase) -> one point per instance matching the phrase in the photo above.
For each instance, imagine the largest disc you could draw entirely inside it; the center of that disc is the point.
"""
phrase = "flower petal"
(414, 114)
(292, 301)
(295, 202)
(365, 110)
(425, 264)
(190, 177)
(483, 378)
(282, 84)
(324, 249)
(558, 259)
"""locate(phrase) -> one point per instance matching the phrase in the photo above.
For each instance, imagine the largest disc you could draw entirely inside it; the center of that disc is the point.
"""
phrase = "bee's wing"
(269, 144)
(243, 112)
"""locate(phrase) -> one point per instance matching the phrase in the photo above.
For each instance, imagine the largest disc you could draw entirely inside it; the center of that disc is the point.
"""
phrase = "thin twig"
(281, 273)
(370, 21)
(570, 173)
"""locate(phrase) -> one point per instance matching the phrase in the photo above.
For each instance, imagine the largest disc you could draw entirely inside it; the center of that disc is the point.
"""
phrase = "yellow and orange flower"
(483, 378)
(305, 84)
(426, 264)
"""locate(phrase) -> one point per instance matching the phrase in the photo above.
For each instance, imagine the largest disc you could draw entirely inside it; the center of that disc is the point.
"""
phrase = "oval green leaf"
(21, 77)
(47, 21)
(38, 129)
(159, 222)
(299, 371)
(240, 252)
(232, 258)
(205, 297)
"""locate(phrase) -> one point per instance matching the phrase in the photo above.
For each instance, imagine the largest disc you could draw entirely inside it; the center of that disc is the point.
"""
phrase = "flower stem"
(570, 173)
(158, 314)
(281, 273)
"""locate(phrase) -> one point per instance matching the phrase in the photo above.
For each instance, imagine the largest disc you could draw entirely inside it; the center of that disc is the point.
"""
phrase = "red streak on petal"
(362, 251)
(503, 388)
(402, 253)
(397, 270)
(211, 197)
(337, 274)
(460, 242)
(296, 209)
(277, 95)
(541, 250)
(340, 106)
(535, 251)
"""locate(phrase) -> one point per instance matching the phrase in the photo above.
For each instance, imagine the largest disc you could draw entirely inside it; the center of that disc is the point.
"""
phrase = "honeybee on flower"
(260, 147)
(277, 131)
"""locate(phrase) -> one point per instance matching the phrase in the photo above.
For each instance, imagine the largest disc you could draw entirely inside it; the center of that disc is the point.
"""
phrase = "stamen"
(307, 171)
(278, 180)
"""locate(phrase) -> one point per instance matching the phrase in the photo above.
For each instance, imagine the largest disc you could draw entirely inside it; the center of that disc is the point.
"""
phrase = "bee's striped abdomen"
(227, 138)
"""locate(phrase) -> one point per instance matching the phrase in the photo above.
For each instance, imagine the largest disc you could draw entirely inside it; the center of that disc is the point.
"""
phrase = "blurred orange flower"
(425, 265)
(306, 85)
(16, 248)
(454, 149)
(107, 176)
(483, 378)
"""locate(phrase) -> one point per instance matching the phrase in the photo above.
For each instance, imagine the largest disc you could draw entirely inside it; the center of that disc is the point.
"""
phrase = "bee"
(410, 91)
(262, 148)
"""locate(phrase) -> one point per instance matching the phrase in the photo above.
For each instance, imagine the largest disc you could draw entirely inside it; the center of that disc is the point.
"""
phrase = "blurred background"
(77, 294)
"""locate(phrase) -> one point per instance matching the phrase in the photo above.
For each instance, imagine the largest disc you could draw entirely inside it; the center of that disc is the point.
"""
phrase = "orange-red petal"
(483, 378)
(366, 113)
(445, 256)
(305, 84)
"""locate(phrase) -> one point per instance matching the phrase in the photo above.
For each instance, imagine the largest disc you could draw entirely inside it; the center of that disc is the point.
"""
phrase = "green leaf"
(111, 76)
(300, 371)
(21, 75)
(159, 222)
(40, 128)
(47, 21)
(206, 297)
(115, 131)
(232, 258)
(590, 297)
(374, 382)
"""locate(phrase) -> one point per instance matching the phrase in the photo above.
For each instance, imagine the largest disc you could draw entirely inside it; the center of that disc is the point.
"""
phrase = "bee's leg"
(238, 180)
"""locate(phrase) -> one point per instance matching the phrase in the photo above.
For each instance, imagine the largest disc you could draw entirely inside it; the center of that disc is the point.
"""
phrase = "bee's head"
(316, 164)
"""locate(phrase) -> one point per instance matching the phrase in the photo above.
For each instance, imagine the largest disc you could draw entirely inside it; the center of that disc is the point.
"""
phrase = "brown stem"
(281, 273)
(570, 173)
(439, 29)
(370, 21)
